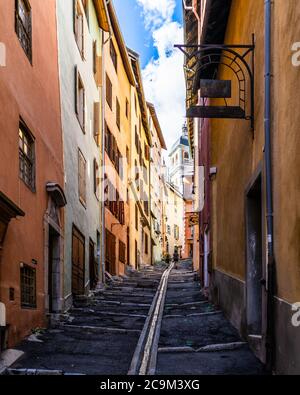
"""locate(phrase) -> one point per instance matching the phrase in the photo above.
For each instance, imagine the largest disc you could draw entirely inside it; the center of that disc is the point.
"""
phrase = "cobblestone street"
(100, 334)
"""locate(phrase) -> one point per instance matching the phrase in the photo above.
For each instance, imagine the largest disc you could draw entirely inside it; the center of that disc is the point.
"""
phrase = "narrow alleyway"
(100, 335)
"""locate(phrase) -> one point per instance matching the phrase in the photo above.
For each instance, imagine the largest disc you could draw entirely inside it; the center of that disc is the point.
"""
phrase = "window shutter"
(97, 122)
(99, 71)
(76, 89)
(74, 16)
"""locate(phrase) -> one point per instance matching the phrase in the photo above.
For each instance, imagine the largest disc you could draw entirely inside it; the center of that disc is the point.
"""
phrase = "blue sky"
(137, 37)
(151, 28)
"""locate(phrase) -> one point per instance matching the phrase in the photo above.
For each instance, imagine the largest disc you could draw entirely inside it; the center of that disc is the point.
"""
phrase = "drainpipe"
(103, 95)
(269, 191)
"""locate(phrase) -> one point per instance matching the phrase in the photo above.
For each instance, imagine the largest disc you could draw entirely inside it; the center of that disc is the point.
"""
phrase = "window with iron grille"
(122, 251)
(81, 178)
(28, 287)
(108, 91)
(118, 113)
(26, 156)
(113, 55)
(23, 26)
(79, 26)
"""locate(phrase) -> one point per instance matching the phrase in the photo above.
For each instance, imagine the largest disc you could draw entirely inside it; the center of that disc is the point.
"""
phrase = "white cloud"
(163, 77)
(156, 12)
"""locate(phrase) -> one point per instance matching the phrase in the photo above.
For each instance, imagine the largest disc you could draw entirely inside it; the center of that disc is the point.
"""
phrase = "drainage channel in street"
(154, 322)
(195, 337)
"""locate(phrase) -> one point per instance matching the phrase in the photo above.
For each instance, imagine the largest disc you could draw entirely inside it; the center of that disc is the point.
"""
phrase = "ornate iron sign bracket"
(201, 68)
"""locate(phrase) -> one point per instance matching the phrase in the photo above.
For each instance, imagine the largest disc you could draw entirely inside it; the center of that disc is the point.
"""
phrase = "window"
(169, 230)
(118, 114)
(85, 4)
(113, 55)
(78, 262)
(136, 253)
(108, 92)
(135, 104)
(146, 206)
(95, 56)
(176, 232)
(79, 27)
(96, 179)
(97, 123)
(186, 156)
(127, 109)
(26, 156)
(113, 152)
(146, 244)
(147, 152)
(122, 251)
(136, 140)
(136, 217)
(79, 100)
(23, 26)
(28, 287)
(81, 178)
(127, 154)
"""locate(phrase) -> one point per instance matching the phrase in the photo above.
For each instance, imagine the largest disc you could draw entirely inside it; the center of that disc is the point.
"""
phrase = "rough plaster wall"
(286, 145)
(87, 220)
(234, 150)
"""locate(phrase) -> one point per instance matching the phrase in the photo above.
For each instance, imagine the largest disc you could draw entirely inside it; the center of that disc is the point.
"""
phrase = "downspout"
(103, 95)
(269, 191)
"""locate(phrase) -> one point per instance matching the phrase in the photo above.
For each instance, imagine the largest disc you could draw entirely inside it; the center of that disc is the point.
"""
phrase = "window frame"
(109, 97)
(113, 55)
(25, 30)
(79, 12)
(118, 114)
(26, 304)
(24, 157)
(82, 199)
(78, 83)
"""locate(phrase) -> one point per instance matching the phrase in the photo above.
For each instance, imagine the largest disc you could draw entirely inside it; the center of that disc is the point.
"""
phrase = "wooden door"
(93, 266)
(78, 265)
(110, 253)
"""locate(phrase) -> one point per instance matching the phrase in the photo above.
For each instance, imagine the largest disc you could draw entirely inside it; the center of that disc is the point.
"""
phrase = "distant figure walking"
(176, 258)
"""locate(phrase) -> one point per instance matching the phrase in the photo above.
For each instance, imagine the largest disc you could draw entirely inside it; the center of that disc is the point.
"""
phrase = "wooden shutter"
(82, 177)
(99, 71)
(118, 114)
(108, 92)
(97, 127)
(95, 56)
(76, 89)
(74, 17)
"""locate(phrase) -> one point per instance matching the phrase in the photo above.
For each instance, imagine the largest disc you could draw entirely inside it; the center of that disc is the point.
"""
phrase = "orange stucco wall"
(31, 92)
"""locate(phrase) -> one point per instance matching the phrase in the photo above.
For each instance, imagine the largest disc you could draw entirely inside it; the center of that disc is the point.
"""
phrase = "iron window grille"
(28, 287)
(26, 157)
(23, 26)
